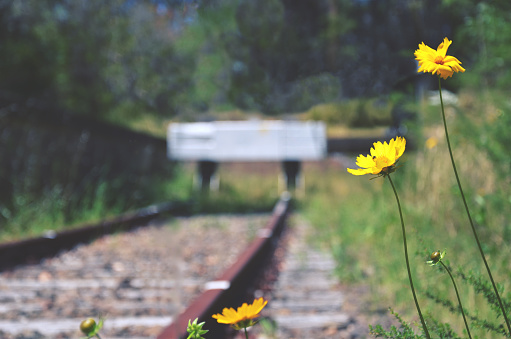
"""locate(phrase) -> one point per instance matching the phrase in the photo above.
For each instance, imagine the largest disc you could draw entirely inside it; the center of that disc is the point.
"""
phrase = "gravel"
(137, 280)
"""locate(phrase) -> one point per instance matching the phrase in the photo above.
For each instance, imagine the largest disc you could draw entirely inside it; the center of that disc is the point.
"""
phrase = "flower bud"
(435, 256)
(88, 325)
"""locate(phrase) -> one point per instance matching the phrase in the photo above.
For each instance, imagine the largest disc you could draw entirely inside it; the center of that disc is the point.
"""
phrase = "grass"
(360, 226)
(239, 192)
(363, 112)
(357, 219)
(37, 216)
(242, 188)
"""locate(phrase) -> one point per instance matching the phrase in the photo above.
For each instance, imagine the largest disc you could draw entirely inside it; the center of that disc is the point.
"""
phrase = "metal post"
(206, 170)
(292, 171)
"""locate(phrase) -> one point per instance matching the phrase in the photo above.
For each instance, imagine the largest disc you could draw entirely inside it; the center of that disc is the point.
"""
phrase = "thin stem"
(97, 335)
(468, 212)
(246, 333)
(459, 300)
(407, 261)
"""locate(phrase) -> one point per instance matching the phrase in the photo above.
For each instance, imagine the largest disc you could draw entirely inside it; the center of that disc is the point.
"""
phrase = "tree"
(287, 55)
(92, 57)
(484, 36)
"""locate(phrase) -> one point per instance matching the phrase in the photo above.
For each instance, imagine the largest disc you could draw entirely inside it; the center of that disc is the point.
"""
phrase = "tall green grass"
(242, 188)
(238, 192)
(57, 210)
(33, 216)
(358, 221)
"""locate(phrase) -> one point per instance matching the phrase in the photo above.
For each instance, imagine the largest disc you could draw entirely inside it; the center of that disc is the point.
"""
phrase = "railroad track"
(51, 243)
(147, 282)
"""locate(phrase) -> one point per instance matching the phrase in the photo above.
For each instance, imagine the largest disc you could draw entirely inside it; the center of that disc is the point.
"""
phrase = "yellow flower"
(437, 62)
(382, 159)
(241, 318)
(431, 142)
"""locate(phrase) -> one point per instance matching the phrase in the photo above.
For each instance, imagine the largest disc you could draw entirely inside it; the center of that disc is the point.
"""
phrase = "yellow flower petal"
(442, 48)
(360, 171)
(400, 146)
(382, 157)
(431, 142)
(244, 312)
(376, 146)
(365, 161)
(437, 62)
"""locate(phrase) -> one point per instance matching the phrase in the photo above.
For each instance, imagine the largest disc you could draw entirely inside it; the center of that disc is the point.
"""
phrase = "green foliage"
(275, 62)
(442, 330)
(94, 58)
(358, 221)
(121, 61)
(484, 38)
(255, 193)
(404, 331)
(475, 321)
(32, 215)
(195, 329)
(269, 328)
(495, 138)
(333, 113)
(353, 113)
(483, 287)
(59, 173)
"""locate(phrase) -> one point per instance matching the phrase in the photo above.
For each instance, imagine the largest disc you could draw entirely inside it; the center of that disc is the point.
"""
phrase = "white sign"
(265, 140)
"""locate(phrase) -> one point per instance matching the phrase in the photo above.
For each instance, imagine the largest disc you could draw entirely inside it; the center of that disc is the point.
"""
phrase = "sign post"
(289, 142)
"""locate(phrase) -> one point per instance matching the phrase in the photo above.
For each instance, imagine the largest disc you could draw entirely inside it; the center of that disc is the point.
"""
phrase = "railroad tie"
(306, 301)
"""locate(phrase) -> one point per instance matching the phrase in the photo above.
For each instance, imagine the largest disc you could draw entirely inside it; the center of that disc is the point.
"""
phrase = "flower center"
(439, 60)
(381, 162)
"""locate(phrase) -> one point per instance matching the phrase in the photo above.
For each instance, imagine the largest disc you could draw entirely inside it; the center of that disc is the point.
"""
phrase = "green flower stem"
(246, 333)
(407, 261)
(97, 335)
(457, 295)
(468, 212)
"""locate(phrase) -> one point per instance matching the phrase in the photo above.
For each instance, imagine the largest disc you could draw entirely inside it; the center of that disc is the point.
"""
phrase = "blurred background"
(88, 87)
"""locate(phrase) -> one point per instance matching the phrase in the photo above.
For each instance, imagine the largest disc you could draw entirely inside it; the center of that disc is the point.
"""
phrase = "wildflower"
(436, 257)
(431, 142)
(90, 328)
(382, 159)
(243, 317)
(195, 329)
(437, 62)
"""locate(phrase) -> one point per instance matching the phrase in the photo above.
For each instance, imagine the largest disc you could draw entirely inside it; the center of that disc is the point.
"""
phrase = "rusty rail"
(35, 249)
(231, 286)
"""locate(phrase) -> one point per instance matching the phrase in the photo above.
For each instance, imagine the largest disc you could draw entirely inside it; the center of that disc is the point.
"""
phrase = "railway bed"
(139, 280)
(148, 282)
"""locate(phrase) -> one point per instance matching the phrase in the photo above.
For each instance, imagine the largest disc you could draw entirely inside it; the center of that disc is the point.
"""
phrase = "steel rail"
(232, 285)
(51, 243)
